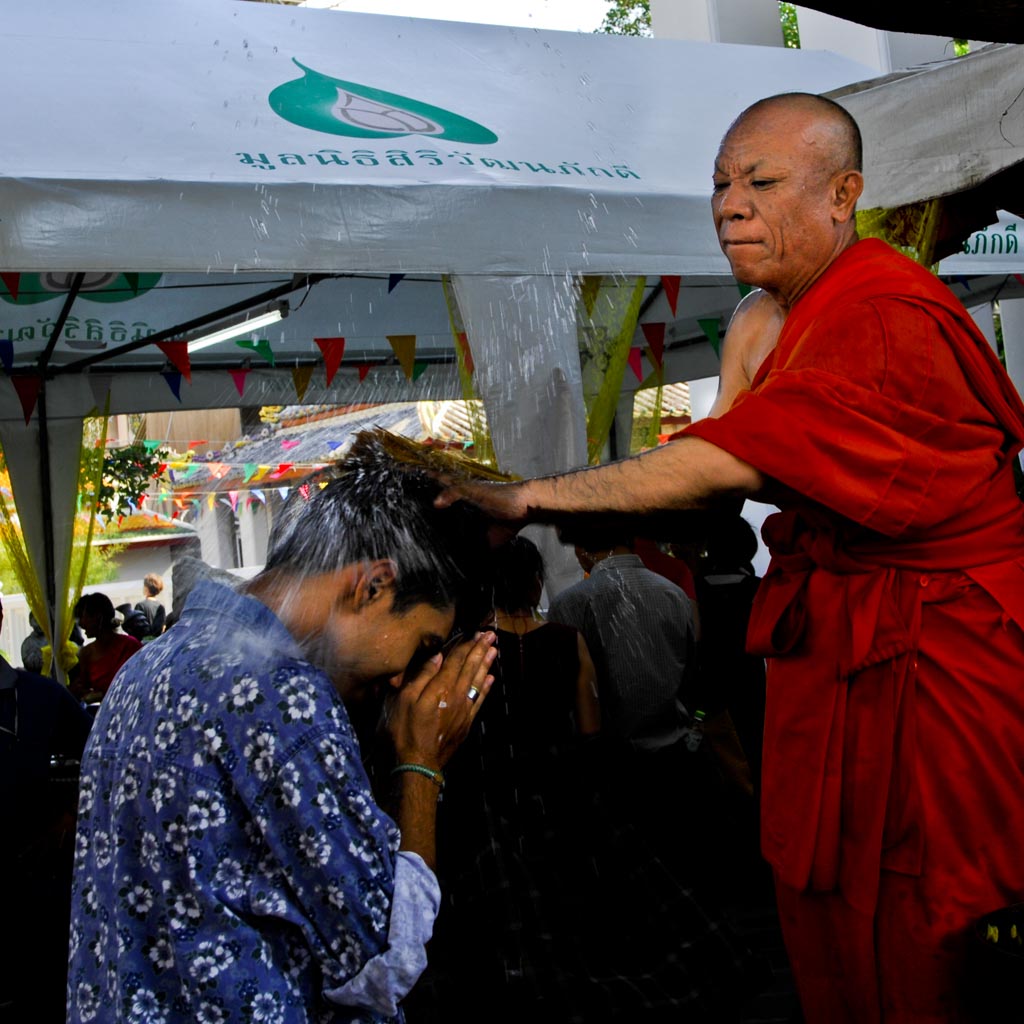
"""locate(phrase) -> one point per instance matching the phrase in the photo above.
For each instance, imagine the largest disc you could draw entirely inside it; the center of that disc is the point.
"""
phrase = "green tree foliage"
(633, 18)
(790, 28)
(127, 474)
(627, 18)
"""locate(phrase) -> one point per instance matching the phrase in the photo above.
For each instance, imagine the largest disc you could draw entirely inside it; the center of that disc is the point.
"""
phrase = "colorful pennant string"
(333, 350)
(654, 335)
(27, 389)
(177, 356)
(404, 347)
(670, 283)
(301, 376)
(710, 327)
(173, 379)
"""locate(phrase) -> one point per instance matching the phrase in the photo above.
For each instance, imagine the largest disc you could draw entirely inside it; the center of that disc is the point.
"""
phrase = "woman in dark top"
(553, 910)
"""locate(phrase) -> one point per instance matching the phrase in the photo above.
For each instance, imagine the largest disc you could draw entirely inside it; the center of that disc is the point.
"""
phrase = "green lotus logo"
(331, 105)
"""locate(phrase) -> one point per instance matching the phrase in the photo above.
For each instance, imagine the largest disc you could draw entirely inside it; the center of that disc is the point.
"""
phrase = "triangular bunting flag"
(1019, 278)
(393, 279)
(12, 282)
(218, 470)
(238, 376)
(283, 492)
(261, 472)
(960, 279)
(7, 354)
(196, 444)
(233, 499)
(404, 347)
(418, 368)
(671, 282)
(288, 444)
(364, 369)
(281, 470)
(333, 350)
(635, 356)
(133, 283)
(332, 445)
(467, 355)
(589, 287)
(261, 348)
(151, 445)
(249, 470)
(654, 335)
(259, 496)
(300, 378)
(211, 500)
(710, 327)
(173, 379)
(28, 393)
(745, 289)
(177, 355)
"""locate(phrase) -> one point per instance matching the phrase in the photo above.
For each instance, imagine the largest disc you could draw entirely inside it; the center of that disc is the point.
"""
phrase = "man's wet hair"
(853, 144)
(370, 507)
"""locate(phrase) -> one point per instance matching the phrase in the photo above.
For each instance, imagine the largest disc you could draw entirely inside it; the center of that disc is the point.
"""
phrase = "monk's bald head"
(834, 129)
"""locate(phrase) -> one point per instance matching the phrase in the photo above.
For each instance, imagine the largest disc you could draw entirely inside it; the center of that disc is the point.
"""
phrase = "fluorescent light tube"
(236, 330)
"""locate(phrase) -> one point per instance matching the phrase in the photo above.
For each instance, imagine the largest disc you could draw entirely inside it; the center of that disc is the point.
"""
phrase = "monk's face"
(774, 201)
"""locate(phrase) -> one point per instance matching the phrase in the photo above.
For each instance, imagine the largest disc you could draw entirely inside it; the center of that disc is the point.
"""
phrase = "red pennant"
(238, 376)
(281, 470)
(12, 283)
(670, 282)
(1019, 278)
(635, 357)
(467, 356)
(654, 335)
(28, 393)
(177, 354)
(333, 350)
(364, 369)
(196, 444)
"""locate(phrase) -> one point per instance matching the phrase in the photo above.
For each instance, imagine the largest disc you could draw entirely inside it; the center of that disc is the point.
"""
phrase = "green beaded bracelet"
(421, 769)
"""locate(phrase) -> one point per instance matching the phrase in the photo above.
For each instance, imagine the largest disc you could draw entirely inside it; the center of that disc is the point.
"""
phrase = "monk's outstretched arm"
(688, 473)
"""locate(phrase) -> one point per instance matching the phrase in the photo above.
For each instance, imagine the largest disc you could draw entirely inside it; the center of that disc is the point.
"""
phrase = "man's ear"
(847, 187)
(374, 579)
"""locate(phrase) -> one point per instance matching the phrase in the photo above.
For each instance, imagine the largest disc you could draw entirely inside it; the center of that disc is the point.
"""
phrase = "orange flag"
(300, 377)
(404, 346)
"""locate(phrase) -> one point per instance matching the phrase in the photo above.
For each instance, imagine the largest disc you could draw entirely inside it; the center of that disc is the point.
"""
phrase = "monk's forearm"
(688, 473)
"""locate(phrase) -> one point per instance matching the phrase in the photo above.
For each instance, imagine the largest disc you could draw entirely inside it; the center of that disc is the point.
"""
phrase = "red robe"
(893, 618)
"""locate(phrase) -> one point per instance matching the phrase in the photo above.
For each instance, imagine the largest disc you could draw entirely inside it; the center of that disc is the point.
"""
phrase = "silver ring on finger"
(472, 693)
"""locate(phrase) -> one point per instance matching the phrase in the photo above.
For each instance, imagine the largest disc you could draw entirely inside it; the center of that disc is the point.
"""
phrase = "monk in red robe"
(892, 614)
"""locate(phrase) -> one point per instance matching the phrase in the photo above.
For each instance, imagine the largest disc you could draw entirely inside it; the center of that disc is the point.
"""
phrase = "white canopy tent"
(209, 137)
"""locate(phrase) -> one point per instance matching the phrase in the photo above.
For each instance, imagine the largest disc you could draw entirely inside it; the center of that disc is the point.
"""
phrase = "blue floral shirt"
(231, 863)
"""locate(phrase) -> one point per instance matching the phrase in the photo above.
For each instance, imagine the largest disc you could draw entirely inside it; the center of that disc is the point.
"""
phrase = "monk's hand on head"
(432, 713)
(505, 502)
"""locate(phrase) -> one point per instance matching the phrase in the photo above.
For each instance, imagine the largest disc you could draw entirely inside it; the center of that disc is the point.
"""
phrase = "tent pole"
(46, 485)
